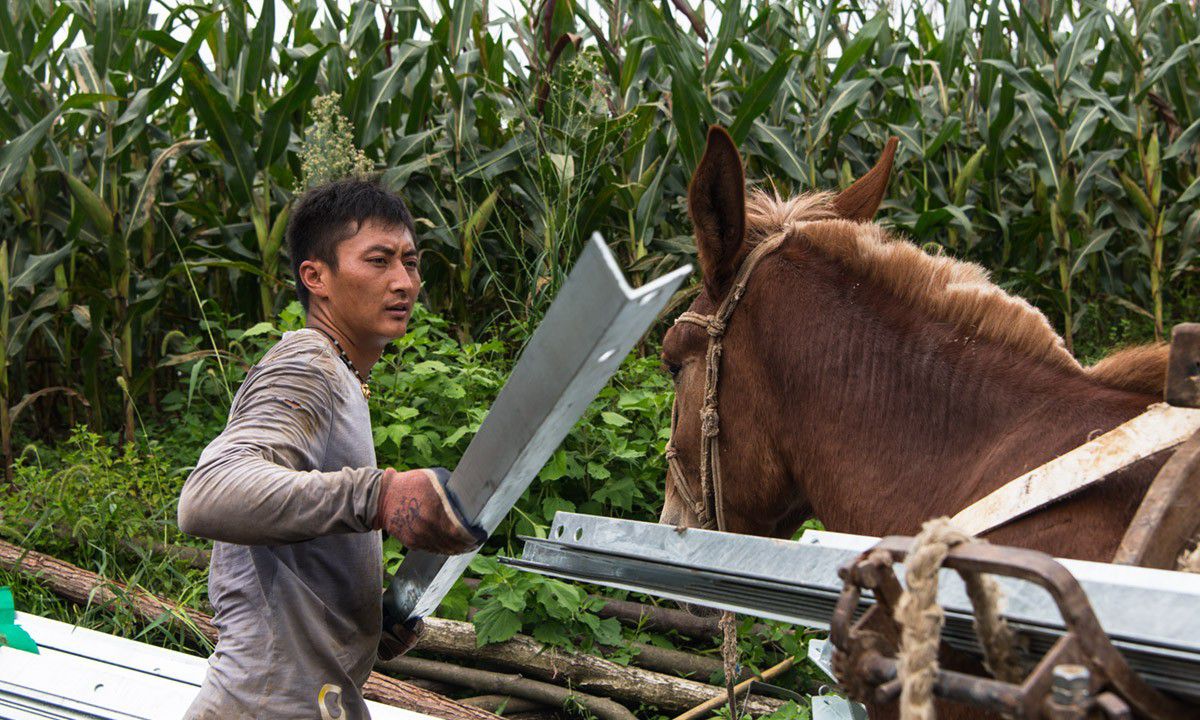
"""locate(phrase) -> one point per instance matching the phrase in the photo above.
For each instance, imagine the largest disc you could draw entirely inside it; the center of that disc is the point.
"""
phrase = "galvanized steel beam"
(1146, 612)
(590, 328)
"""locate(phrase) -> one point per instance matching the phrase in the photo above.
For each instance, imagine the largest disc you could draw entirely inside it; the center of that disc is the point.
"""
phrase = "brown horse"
(874, 386)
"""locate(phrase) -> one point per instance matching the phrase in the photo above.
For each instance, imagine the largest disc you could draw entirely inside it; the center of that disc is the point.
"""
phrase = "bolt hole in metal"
(606, 355)
(578, 533)
(559, 531)
(648, 297)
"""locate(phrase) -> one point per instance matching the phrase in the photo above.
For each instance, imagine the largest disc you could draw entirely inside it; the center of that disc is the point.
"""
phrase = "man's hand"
(398, 638)
(416, 509)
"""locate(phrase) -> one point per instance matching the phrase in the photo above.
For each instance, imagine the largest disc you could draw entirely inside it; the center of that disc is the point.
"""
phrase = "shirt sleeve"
(253, 484)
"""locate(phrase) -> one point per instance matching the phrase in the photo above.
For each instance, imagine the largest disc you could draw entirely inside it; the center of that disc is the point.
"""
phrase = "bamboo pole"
(706, 707)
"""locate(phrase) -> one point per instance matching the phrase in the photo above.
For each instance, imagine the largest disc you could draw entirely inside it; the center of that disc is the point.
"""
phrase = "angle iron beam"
(589, 329)
(797, 582)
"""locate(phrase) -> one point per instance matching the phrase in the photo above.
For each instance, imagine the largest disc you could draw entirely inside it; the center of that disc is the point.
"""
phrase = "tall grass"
(152, 153)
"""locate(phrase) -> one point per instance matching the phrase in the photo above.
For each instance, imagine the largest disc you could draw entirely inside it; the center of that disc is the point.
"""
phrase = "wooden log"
(507, 704)
(593, 674)
(87, 588)
(677, 662)
(500, 683)
(660, 619)
(193, 557)
(440, 688)
(539, 715)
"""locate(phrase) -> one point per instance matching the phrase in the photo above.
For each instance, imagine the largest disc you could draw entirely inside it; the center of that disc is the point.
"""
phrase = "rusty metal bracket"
(1082, 676)
(1183, 367)
(1168, 519)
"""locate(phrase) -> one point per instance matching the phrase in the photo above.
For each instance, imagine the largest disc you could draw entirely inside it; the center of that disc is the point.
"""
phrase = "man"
(289, 490)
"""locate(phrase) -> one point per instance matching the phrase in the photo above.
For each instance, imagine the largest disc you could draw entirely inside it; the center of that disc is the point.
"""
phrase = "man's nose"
(404, 282)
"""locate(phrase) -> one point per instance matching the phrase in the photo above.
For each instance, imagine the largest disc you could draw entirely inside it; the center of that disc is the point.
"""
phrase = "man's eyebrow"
(410, 251)
(385, 249)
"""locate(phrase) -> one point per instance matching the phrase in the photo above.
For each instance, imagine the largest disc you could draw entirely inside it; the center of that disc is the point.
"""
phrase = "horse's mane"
(953, 291)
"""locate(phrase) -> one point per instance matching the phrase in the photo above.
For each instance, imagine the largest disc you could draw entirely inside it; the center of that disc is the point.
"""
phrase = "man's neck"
(362, 354)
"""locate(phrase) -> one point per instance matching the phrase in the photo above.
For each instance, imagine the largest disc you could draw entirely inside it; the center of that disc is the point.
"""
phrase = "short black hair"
(333, 212)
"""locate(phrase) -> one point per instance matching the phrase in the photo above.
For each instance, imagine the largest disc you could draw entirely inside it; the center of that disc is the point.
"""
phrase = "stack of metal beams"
(1150, 615)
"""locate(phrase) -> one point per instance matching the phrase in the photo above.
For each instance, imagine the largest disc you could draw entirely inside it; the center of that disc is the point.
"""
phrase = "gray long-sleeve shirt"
(288, 492)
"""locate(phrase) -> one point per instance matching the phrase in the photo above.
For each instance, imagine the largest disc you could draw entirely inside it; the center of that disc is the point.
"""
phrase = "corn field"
(152, 152)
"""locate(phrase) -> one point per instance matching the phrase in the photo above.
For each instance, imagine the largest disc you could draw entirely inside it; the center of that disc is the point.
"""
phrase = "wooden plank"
(1160, 428)
(1169, 516)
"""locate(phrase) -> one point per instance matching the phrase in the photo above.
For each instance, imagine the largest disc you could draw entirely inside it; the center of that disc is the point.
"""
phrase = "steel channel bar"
(797, 582)
(588, 330)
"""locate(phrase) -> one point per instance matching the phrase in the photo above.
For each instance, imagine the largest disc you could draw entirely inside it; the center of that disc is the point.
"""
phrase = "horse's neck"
(896, 419)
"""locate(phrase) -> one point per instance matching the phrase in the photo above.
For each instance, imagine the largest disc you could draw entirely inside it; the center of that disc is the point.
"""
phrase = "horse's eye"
(672, 368)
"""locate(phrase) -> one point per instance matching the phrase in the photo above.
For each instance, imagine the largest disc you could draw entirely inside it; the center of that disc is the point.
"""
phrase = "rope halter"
(709, 508)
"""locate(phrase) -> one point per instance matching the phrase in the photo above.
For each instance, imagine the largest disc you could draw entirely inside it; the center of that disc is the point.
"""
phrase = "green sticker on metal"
(11, 634)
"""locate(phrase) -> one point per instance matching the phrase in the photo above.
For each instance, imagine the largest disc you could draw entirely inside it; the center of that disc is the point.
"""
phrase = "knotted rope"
(729, 658)
(709, 508)
(921, 618)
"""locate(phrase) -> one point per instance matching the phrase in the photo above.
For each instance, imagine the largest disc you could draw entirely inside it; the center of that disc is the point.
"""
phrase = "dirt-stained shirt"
(288, 491)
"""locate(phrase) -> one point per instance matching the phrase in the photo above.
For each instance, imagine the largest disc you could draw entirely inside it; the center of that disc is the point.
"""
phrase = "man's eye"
(377, 261)
(410, 264)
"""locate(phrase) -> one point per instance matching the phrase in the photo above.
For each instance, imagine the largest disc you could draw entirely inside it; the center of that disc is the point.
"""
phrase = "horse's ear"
(717, 204)
(861, 200)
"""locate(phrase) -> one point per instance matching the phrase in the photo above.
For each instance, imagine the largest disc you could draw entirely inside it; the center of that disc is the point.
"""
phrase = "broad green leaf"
(1077, 46)
(364, 18)
(1186, 141)
(613, 419)
(1179, 55)
(1043, 139)
(15, 153)
(949, 132)
(276, 123)
(258, 52)
(495, 623)
(1082, 129)
(149, 187)
(1121, 120)
(384, 88)
(847, 94)
(954, 30)
(37, 267)
(759, 96)
(218, 120)
(1098, 242)
(460, 25)
(1191, 193)
(102, 45)
(991, 48)
(727, 32)
(859, 46)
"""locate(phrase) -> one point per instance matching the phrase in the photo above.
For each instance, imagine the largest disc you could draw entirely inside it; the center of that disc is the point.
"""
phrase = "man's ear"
(717, 204)
(860, 201)
(314, 275)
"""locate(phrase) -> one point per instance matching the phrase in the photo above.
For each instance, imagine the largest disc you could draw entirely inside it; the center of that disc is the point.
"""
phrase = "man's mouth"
(398, 311)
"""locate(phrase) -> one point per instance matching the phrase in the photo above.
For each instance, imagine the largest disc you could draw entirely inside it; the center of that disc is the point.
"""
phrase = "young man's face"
(371, 295)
